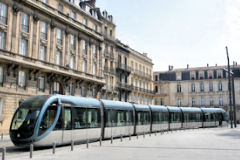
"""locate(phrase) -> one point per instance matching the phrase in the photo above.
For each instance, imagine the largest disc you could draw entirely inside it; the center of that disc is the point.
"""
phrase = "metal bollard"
(121, 138)
(137, 136)
(111, 139)
(150, 134)
(100, 141)
(54, 148)
(129, 137)
(87, 144)
(2, 136)
(3, 153)
(31, 150)
(155, 133)
(72, 145)
(143, 135)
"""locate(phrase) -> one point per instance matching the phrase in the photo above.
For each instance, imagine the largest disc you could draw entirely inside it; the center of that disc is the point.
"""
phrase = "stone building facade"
(198, 87)
(56, 47)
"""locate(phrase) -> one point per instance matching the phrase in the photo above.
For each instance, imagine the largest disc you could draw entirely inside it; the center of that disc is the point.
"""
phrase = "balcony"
(108, 88)
(123, 67)
(109, 70)
(142, 74)
(143, 90)
(125, 86)
(25, 28)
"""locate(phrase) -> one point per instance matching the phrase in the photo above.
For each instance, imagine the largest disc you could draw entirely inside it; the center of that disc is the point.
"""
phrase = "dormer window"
(192, 76)
(85, 21)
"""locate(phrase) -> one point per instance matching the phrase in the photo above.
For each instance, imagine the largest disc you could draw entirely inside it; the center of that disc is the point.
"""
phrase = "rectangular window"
(210, 87)
(2, 40)
(94, 50)
(193, 102)
(219, 86)
(80, 117)
(85, 21)
(73, 15)
(21, 79)
(67, 118)
(1, 109)
(41, 84)
(202, 87)
(72, 62)
(94, 69)
(58, 58)
(42, 53)
(72, 1)
(60, 8)
(72, 40)
(56, 88)
(220, 101)
(45, 1)
(59, 37)
(95, 27)
(23, 47)
(193, 87)
(84, 92)
(202, 101)
(25, 22)
(84, 47)
(84, 65)
(71, 89)
(43, 30)
(179, 88)
(1, 76)
(3, 13)
(211, 102)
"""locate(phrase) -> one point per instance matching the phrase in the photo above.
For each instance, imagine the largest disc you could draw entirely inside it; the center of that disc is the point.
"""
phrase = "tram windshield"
(26, 116)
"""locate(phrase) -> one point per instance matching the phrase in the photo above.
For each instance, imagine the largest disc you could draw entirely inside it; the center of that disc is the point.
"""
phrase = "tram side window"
(67, 119)
(186, 117)
(212, 117)
(120, 118)
(164, 117)
(129, 118)
(108, 118)
(80, 117)
(207, 117)
(143, 118)
(175, 117)
(156, 117)
(93, 118)
(48, 118)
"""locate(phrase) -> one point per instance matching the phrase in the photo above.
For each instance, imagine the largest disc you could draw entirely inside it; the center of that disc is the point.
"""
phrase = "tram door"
(67, 124)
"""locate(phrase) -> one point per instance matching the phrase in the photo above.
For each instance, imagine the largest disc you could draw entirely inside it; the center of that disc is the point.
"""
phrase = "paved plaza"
(198, 144)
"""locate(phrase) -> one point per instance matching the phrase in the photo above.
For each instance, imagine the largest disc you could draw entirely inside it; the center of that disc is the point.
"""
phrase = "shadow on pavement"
(232, 134)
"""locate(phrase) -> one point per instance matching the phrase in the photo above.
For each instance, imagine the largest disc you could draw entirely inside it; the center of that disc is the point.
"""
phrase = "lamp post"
(234, 105)
(229, 88)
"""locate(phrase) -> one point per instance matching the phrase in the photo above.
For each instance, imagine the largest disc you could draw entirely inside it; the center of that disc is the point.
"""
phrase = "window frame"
(24, 22)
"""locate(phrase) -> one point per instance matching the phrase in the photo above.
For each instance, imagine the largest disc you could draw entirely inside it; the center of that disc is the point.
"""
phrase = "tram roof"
(218, 110)
(141, 107)
(79, 101)
(159, 108)
(191, 109)
(108, 104)
(174, 109)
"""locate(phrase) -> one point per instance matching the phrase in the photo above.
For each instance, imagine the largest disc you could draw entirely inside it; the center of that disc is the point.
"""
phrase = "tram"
(44, 120)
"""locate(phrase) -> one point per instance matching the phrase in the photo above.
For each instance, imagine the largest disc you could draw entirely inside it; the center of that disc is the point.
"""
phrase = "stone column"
(9, 30)
(14, 44)
(66, 55)
(30, 53)
(52, 46)
(35, 36)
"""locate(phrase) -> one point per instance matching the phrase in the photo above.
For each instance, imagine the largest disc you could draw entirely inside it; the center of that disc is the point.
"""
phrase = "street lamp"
(233, 98)
(229, 88)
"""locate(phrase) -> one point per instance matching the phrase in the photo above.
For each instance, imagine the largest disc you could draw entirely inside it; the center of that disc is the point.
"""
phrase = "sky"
(178, 32)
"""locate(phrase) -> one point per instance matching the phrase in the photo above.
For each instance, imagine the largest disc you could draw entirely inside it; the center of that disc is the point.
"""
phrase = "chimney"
(207, 65)
(91, 3)
(216, 65)
(187, 66)
(145, 54)
(170, 68)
